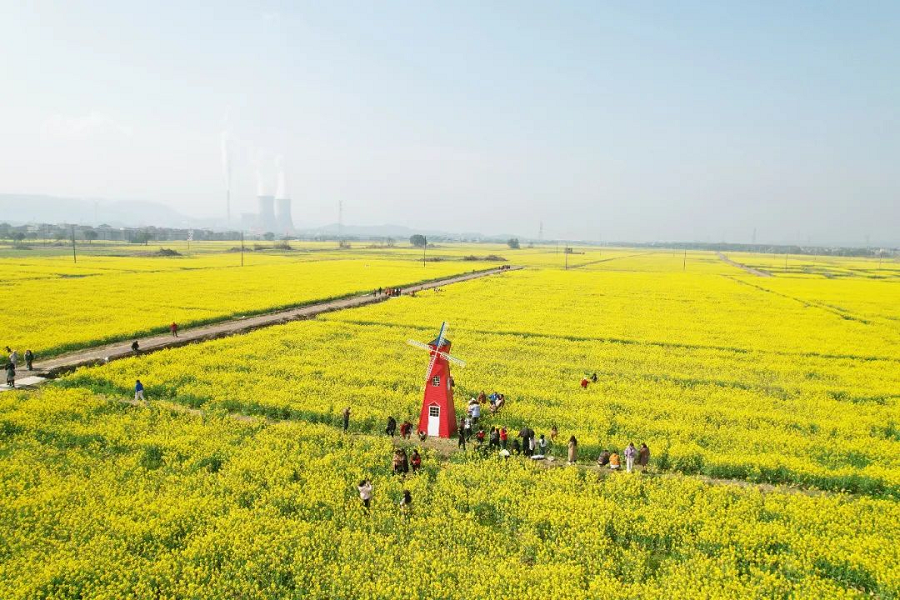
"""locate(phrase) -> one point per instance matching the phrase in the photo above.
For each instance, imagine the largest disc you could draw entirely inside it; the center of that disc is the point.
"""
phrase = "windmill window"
(434, 411)
(436, 381)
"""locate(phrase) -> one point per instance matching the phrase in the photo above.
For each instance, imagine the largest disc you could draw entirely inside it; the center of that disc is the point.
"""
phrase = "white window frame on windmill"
(436, 381)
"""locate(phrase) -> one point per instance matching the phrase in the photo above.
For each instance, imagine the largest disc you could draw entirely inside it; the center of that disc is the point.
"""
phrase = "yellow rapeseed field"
(771, 406)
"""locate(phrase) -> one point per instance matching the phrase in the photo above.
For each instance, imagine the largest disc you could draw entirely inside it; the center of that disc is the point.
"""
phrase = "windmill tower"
(438, 416)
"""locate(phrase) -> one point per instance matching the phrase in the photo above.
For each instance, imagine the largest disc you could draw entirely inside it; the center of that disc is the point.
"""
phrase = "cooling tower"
(266, 215)
(283, 215)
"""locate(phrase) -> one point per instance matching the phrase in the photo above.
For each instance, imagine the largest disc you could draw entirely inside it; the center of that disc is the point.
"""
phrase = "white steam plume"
(281, 191)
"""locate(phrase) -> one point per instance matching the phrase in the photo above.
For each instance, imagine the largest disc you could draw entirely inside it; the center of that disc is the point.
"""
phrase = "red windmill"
(438, 416)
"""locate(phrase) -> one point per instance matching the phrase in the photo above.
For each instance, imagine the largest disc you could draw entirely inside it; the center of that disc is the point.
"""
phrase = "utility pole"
(541, 232)
(424, 246)
(684, 261)
(74, 257)
(242, 248)
(566, 252)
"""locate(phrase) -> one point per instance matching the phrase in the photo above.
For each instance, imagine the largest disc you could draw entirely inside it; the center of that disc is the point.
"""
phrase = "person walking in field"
(415, 461)
(630, 453)
(138, 391)
(553, 433)
(584, 383)
(174, 329)
(462, 439)
(406, 503)
(406, 429)
(573, 450)
(14, 358)
(643, 457)
(29, 360)
(365, 493)
(10, 374)
(345, 415)
(391, 428)
(504, 436)
(542, 445)
(494, 440)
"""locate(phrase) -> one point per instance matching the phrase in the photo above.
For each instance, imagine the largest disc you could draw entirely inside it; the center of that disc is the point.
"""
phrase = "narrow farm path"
(751, 270)
(102, 354)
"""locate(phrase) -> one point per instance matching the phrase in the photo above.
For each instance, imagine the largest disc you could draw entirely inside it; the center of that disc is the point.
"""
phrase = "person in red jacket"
(584, 383)
(416, 461)
(503, 437)
(174, 329)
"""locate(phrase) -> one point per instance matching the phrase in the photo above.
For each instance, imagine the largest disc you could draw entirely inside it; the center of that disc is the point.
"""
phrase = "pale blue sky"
(646, 121)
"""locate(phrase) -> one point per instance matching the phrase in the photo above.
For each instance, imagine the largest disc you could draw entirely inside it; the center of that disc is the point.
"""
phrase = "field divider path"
(443, 449)
(751, 270)
(64, 363)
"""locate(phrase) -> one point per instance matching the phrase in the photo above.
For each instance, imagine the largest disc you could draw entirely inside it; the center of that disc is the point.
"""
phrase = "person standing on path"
(10, 374)
(29, 360)
(462, 439)
(643, 456)
(139, 391)
(345, 414)
(135, 347)
(630, 453)
(573, 450)
(14, 358)
(365, 493)
(174, 329)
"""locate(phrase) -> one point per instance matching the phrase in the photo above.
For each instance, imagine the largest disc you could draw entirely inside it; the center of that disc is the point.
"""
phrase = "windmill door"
(434, 420)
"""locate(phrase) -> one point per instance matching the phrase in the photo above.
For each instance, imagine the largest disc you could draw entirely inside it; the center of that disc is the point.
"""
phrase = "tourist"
(174, 329)
(423, 436)
(135, 347)
(479, 437)
(138, 391)
(482, 398)
(523, 433)
(405, 429)
(573, 450)
(643, 456)
(584, 383)
(345, 414)
(476, 412)
(462, 439)
(406, 503)
(14, 358)
(365, 493)
(494, 440)
(553, 433)
(467, 427)
(603, 459)
(542, 445)
(504, 436)
(397, 464)
(391, 428)
(532, 446)
(415, 461)
(29, 360)
(614, 461)
(516, 447)
(10, 374)
(594, 378)
(630, 453)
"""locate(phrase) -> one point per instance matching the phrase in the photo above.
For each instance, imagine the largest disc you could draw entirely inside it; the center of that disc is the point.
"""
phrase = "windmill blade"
(453, 359)
(416, 344)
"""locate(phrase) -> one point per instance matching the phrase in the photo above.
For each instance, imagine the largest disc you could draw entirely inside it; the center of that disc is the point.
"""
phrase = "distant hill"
(28, 208)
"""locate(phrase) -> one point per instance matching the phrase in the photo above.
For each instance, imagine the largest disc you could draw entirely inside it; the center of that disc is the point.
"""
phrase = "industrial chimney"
(283, 215)
(266, 214)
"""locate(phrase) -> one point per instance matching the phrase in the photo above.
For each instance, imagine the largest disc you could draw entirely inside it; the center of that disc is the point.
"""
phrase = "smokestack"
(283, 214)
(266, 215)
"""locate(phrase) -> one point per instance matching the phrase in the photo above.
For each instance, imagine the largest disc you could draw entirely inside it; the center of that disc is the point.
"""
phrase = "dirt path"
(750, 270)
(103, 354)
